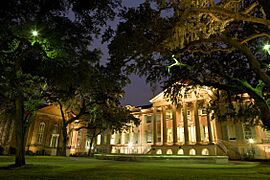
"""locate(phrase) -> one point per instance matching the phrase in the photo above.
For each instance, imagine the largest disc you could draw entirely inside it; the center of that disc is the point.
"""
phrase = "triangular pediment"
(160, 98)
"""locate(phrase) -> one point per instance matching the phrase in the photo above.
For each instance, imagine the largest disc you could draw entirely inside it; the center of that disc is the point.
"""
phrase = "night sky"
(138, 92)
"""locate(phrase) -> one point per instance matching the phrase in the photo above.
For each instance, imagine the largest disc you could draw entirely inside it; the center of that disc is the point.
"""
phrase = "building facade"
(44, 134)
(188, 129)
(184, 129)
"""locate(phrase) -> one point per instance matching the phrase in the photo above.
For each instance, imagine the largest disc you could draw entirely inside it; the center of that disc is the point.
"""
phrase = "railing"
(229, 149)
(147, 149)
(222, 146)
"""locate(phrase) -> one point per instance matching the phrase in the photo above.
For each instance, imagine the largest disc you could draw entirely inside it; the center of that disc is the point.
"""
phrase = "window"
(40, 133)
(169, 151)
(54, 140)
(231, 132)
(192, 152)
(55, 129)
(158, 127)
(148, 136)
(41, 127)
(54, 136)
(113, 139)
(159, 151)
(99, 139)
(87, 144)
(79, 138)
(205, 152)
(180, 151)
(148, 118)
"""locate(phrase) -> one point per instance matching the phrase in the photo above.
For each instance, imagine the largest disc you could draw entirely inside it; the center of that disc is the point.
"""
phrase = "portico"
(166, 128)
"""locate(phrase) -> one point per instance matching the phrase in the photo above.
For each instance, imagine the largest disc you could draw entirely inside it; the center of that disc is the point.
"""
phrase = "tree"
(103, 117)
(203, 42)
(62, 34)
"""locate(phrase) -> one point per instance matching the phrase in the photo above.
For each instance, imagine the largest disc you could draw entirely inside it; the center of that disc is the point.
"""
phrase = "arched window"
(169, 151)
(54, 136)
(159, 151)
(41, 130)
(55, 129)
(180, 151)
(205, 152)
(41, 127)
(192, 152)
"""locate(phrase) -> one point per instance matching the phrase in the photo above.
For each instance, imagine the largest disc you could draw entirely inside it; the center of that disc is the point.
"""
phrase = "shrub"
(1, 150)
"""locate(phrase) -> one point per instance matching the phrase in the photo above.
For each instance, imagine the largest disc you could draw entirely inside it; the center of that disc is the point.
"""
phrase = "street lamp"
(34, 33)
(266, 47)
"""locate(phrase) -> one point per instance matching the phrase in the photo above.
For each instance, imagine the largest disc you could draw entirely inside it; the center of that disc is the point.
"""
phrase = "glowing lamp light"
(34, 33)
(130, 145)
(266, 47)
(251, 141)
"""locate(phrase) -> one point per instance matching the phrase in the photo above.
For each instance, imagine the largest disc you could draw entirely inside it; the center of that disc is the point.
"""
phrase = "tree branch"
(255, 37)
(253, 62)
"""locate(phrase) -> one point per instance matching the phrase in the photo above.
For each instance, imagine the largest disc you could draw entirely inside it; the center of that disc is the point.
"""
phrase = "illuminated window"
(180, 151)
(112, 139)
(54, 140)
(98, 139)
(169, 126)
(148, 129)
(79, 138)
(192, 152)
(159, 151)
(169, 151)
(54, 136)
(205, 152)
(158, 127)
(87, 144)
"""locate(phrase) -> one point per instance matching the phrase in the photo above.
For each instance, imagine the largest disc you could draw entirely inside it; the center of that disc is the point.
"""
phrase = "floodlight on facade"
(130, 145)
(251, 141)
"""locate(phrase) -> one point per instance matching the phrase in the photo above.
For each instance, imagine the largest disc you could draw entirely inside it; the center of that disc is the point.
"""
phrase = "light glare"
(251, 141)
(34, 33)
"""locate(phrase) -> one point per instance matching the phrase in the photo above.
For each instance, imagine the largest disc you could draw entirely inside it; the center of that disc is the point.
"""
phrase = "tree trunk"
(20, 146)
(90, 151)
(64, 145)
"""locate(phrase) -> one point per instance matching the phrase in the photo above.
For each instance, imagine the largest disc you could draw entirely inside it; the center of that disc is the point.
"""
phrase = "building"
(188, 129)
(44, 134)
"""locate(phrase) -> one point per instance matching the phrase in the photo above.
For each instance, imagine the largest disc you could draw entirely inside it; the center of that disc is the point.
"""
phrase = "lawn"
(39, 167)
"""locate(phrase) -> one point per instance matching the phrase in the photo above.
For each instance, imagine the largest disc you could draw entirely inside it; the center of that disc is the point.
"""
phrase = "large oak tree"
(204, 42)
(64, 32)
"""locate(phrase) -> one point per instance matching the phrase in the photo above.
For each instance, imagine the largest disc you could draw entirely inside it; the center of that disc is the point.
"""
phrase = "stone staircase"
(230, 149)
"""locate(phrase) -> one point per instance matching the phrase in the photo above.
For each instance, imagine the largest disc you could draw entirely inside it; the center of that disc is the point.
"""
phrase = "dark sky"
(138, 92)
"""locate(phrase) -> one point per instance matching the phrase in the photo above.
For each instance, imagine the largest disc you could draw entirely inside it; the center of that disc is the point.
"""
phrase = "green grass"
(84, 168)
